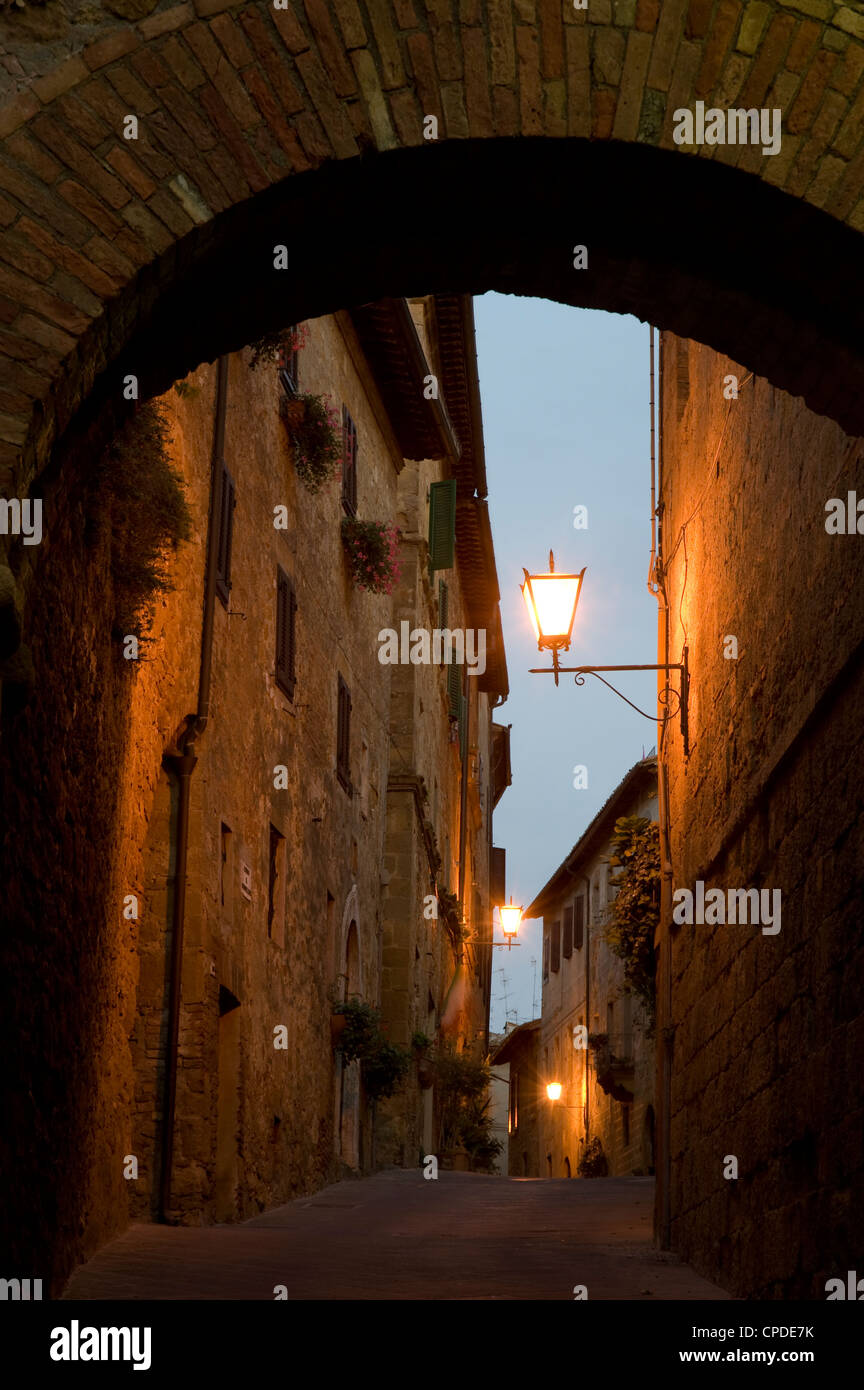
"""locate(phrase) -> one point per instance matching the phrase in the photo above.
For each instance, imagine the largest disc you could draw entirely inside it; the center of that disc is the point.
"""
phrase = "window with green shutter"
(442, 524)
(443, 604)
(454, 689)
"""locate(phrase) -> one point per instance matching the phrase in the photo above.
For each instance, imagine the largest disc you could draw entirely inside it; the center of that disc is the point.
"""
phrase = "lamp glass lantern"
(553, 1090)
(510, 918)
(551, 600)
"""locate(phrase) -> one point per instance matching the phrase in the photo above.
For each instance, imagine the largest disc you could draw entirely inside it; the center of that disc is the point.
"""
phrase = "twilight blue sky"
(565, 415)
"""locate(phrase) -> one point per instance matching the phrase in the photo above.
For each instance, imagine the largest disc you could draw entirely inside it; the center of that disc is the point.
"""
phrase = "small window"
(343, 736)
(579, 922)
(276, 888)
(286, 608)
(289, 359)
(227, 502)
(546, 957)
(567, 943)
(555, 934)
(349, 463)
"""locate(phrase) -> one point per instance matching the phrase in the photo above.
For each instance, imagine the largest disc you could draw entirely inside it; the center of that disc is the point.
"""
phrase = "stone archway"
(303, 127)
(257, 128)
(236, 102)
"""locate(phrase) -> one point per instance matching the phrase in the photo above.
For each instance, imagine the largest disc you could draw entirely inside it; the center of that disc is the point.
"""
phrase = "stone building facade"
(606, 1074)
(311, 881)
(760, 1032)
(330, 799)
(517, 1058)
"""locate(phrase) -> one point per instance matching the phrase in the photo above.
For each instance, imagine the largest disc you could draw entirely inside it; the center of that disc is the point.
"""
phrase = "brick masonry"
(233, 99)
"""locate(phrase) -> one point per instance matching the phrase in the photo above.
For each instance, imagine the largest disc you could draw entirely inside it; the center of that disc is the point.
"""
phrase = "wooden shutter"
(226, 533)
(567, 943)
(349, 463)
(546, 957)
(454, 689)
(286, 608)
(343, 736)
(442, 524)
(463, 725)
(443, 604)
(555, 937)
(498, 875)
(579, 926)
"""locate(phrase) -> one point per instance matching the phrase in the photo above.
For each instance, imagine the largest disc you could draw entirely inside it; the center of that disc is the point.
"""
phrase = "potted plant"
(593, 1162)
(465, 1138)
(353, 1026)
(371, 548)
(383, 1064)
(425, 1065)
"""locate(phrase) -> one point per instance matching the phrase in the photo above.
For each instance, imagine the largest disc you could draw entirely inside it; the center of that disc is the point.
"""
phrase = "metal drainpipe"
(183, 765)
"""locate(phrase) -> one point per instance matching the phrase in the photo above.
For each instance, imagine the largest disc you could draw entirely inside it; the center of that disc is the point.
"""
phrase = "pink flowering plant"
(271, 349)
(372, 548)
(315, 428)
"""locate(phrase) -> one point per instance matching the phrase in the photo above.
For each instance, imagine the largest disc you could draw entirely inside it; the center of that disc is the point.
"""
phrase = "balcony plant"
(316, 436)
(270, 348)
(372, 548)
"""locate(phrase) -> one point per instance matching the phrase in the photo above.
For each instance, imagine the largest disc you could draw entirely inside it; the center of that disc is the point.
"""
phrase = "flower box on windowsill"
(292, 410)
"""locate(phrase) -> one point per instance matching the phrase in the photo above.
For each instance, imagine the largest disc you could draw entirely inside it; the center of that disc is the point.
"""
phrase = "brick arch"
(304, 126)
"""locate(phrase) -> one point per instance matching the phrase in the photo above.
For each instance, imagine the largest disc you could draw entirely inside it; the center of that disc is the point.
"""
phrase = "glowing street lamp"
(553, 1090)
(510, 919)
(551, 600)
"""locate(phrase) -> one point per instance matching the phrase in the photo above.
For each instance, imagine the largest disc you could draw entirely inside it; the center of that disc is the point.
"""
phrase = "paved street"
(399, 1236)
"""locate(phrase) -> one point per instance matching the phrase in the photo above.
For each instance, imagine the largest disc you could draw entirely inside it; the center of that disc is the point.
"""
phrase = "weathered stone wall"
(768, 1029)
(585, 1110)
(278, 1103)
(424, 987)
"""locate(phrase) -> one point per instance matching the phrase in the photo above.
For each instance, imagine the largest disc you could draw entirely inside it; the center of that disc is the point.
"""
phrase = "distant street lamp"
(510, 919)
(551, 600)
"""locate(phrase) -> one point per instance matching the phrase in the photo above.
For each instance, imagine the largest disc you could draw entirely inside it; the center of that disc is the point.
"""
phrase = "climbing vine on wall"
(635, 910)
